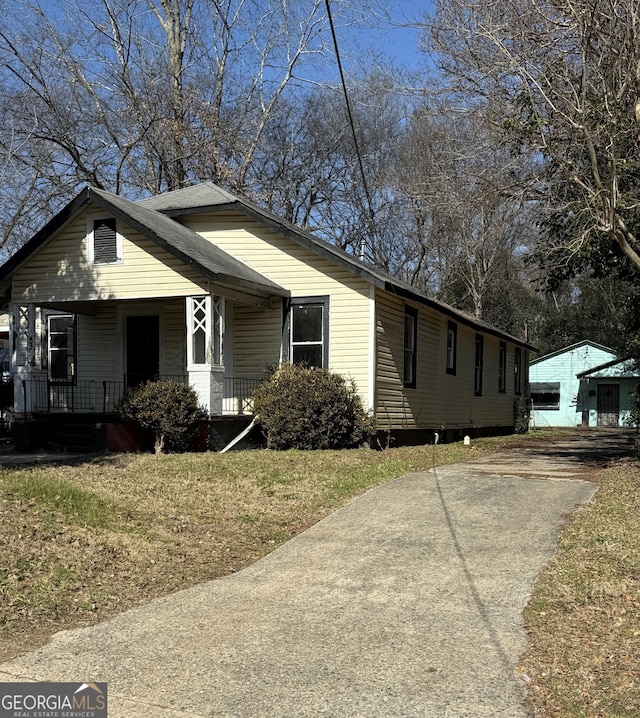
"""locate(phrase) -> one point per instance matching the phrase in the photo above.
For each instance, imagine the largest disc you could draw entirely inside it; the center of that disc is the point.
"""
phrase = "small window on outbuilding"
(545, 395)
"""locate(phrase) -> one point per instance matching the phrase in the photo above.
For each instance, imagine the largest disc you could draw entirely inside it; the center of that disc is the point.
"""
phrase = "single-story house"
(206, 287)
(585, 384)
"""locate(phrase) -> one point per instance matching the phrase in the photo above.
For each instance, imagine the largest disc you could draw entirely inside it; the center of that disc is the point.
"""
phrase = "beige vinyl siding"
(392, 409)
(60, 270)
(303, 273)
(439, 399)
(256, 335)
(175, 329)
(98, 346)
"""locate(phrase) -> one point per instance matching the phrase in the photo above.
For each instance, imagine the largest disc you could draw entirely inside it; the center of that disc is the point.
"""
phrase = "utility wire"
(352, 125)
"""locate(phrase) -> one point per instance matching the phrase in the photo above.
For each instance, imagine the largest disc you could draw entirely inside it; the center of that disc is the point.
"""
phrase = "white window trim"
(91, 218)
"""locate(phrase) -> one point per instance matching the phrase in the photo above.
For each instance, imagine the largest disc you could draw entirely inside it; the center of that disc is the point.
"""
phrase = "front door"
(608, 404)
(142, 354)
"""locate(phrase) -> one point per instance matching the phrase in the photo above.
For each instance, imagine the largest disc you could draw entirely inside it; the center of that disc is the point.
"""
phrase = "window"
(478, 365)
(61, 354)
(502, 368)
(517, 371)
(306, 332)
(206, 329)
(105, 245)
(410, 345)
(545, 395)
(452, 347)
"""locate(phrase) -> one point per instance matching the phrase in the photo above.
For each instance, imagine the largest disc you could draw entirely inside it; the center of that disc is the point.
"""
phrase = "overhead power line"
(352, 125)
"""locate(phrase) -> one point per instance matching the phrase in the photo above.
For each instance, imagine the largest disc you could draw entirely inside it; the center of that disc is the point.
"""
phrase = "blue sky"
(397, 39)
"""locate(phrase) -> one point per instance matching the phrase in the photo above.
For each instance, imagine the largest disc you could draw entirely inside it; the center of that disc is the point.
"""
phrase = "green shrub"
(520, 415)
(170, 409)
(306, 408)
(634, 420)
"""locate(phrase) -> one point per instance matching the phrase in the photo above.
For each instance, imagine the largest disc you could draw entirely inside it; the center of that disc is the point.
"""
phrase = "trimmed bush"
(170, 409)
(634, 420)
(308, 408)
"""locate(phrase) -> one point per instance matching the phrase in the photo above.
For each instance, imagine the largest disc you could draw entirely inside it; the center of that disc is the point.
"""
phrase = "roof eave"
(456, 315)
(299, 236)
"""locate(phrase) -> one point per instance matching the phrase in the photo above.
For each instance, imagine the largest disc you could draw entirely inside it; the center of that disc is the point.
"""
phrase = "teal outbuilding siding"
(560, 397)
(614, 384)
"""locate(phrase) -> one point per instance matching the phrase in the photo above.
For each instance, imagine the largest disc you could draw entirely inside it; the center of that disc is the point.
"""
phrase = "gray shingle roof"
(208, 196)
(153, 217)
(187, 245)
(199, 196)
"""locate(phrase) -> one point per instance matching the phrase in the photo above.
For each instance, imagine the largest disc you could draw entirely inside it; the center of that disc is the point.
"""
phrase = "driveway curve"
(407, 602)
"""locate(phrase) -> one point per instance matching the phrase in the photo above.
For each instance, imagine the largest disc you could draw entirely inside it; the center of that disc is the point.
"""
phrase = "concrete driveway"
(407, 602)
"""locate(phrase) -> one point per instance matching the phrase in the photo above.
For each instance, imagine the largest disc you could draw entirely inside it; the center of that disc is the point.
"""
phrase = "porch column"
(205, 368)
(24, 355)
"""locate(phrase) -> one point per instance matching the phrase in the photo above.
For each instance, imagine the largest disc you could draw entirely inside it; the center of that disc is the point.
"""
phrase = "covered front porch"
(81, 358)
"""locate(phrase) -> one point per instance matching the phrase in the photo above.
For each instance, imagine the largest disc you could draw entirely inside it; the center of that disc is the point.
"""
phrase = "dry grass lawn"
(583, 621)
(81, 542)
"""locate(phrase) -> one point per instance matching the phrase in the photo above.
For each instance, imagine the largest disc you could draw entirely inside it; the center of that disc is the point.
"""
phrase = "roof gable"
(573, 348)
(181, 242)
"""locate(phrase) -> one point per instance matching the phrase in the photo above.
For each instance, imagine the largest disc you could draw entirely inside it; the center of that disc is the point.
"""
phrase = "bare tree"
(140, 96)
(566, 74)
(470, 224)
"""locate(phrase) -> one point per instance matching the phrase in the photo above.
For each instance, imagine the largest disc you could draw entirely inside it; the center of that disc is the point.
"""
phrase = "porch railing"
(45, 396)
(237, 392)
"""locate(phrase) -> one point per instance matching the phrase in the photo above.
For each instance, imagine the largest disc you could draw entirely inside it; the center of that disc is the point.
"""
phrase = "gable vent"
(105, 246)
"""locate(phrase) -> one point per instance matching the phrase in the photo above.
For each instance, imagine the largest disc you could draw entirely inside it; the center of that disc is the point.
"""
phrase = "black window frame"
(517, 371)
(478, 365)
(410, 351)
(288, 309)
(502, 368)
(70, 348)
(451, 352)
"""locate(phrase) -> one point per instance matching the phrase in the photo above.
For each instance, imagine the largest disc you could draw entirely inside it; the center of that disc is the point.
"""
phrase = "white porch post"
(22, 348)
(205, 367)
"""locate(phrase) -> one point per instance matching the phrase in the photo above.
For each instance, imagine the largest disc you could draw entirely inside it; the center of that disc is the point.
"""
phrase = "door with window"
(608, 404)
(142, 352)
